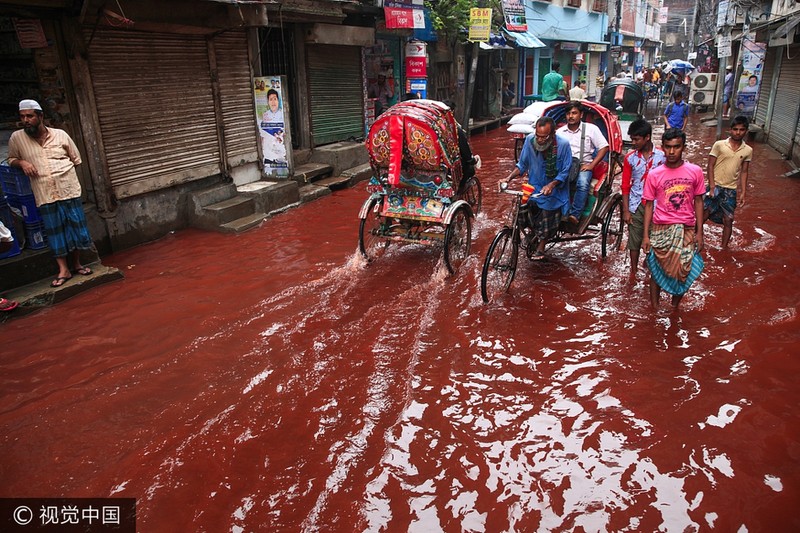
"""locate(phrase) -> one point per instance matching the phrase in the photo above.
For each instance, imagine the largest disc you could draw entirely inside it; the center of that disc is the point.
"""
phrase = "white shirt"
(592, 142)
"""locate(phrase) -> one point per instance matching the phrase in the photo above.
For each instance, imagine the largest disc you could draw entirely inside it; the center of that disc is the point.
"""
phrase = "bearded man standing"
(48, 157)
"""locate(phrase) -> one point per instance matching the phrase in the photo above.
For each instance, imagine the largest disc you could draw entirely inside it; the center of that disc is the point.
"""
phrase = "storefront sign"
(594, 47)
(480, 23)
(418, 87)
(416, 49)
(272, 125)
(570, 46)
(724, 48)
(416, 67)
(401, 17)
(514, 14)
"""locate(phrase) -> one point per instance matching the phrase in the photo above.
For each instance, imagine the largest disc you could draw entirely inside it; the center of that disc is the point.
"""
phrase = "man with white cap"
(48, 157)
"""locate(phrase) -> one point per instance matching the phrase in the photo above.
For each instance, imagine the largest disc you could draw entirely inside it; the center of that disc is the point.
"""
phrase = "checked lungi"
(674, 263)
(721, 205)
(65, 226)
(543, 221)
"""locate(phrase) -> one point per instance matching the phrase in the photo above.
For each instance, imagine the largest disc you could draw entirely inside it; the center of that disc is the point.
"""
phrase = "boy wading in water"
(673, 229)
(728, 169)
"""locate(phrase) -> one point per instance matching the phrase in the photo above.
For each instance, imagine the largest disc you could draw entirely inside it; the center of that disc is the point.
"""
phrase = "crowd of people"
(666, 200)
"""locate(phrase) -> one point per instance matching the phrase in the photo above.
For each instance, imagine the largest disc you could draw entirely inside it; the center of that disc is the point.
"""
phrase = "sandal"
(537, 256)
(7, 305)
(84, 271)
(59, 281)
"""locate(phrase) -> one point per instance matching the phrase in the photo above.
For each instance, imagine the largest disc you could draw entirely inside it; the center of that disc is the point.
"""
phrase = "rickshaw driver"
(546, 158)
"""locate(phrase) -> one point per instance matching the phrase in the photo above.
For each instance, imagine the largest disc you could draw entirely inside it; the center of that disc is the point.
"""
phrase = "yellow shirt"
(728, 165)
(55, 161)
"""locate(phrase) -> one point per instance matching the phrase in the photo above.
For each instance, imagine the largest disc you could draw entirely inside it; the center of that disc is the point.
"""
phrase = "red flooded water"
(273, 381)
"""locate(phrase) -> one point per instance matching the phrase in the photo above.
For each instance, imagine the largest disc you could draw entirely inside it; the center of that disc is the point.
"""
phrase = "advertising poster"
(272, 118)
(750, 81)
(514, 13)
(480, 23)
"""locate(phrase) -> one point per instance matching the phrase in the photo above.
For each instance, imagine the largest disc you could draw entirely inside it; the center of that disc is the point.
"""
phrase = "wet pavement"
(274, 380)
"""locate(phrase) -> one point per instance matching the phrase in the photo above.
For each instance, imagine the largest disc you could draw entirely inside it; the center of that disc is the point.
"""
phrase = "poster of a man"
(270, 107)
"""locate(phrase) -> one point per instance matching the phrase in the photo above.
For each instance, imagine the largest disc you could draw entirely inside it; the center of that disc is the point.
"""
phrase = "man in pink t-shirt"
(673, 229)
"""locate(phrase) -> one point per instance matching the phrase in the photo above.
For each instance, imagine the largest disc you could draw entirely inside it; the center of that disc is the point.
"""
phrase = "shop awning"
(526, 39)
(786, 27)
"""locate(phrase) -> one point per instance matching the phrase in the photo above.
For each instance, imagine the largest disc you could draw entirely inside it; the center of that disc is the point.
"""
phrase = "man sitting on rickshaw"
(589, 146)
(546, 158)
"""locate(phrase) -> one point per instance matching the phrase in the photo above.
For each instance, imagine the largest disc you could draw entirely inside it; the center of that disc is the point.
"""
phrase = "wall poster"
(272, 116)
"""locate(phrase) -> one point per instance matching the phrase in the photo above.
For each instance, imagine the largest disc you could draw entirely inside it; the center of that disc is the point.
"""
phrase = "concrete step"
(312, 192)
(39, 294)
(334, 183)
(34, 265)
(358, 173)
(212, 195)
(311, 171)
(227, 210)
(341, 155)
(272, 196)
(243, 224)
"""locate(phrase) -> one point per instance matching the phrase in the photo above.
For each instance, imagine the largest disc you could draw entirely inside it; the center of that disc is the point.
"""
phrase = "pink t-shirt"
(673, 190)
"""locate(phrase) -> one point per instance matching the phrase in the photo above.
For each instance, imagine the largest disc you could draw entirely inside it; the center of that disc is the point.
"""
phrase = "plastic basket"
(35, 236)
(14, 181)
(27, 205)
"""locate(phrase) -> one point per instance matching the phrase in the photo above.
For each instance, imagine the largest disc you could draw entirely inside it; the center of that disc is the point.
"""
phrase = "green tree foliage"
(451, 17)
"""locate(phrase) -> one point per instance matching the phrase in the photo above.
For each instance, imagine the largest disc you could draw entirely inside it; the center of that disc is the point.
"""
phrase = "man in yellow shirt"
(48, 157)
(728, 168)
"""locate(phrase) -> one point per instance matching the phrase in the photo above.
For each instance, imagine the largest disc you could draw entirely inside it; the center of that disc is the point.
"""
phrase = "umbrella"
(678, 65)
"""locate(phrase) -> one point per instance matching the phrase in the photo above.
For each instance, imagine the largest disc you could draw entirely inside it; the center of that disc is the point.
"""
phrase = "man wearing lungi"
(728, 168)
(546, 158)
(673, 229)
(48, 157)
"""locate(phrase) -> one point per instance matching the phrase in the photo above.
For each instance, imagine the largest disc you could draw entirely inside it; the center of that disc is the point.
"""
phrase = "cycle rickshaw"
(422, 188)
(602, 217)
(626, 99)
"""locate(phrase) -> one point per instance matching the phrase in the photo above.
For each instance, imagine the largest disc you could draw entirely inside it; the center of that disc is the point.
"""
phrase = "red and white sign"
(398, 17)
(416, 67)
(416, 49)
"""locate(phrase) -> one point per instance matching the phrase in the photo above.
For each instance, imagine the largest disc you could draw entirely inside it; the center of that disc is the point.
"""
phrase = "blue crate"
(8, 221)
(35, 236)
(14, 181)
(27, 205)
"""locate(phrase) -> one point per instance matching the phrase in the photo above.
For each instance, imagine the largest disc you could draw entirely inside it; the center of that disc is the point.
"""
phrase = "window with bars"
(276, 58)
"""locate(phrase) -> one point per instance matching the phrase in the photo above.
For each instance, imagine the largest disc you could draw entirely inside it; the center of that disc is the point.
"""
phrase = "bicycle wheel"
(613, 229)
(499, 266)
(370, 242)
(457, 239)
(473, 194)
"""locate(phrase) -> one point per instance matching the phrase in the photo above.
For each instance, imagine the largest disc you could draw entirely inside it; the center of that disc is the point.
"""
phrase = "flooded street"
(275, 381)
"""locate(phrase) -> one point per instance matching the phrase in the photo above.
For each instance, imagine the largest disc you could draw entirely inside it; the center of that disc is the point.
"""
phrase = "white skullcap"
(29, 104)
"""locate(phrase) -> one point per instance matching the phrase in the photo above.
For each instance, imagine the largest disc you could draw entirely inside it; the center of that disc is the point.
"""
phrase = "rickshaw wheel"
(473, 194)
(457, 239)
(613, 229)
(370, 242)
(499, 266)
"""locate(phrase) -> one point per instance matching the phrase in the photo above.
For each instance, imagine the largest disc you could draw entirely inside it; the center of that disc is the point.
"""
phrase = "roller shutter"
(336, 90)
(236, 96)
(760, 116)
(155, 108)
(784, 115)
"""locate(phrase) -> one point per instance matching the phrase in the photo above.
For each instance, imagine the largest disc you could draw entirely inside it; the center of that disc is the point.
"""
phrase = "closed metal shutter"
(784, 116)
(760, 116)
(236, 96)
(337, 106)
(155, 107)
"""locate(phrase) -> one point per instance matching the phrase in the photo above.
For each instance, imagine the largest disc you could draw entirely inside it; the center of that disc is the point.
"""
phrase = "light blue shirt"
(533, 163)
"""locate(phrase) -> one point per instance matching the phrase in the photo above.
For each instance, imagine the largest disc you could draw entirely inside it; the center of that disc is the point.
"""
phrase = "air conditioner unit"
(704, 81)
(702, 97)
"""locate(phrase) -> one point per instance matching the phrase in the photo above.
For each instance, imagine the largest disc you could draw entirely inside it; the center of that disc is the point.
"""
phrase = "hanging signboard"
(724, 48)
(401, 15)
(514, 14)
(480, 23)
(418, 87)
(273, 126)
